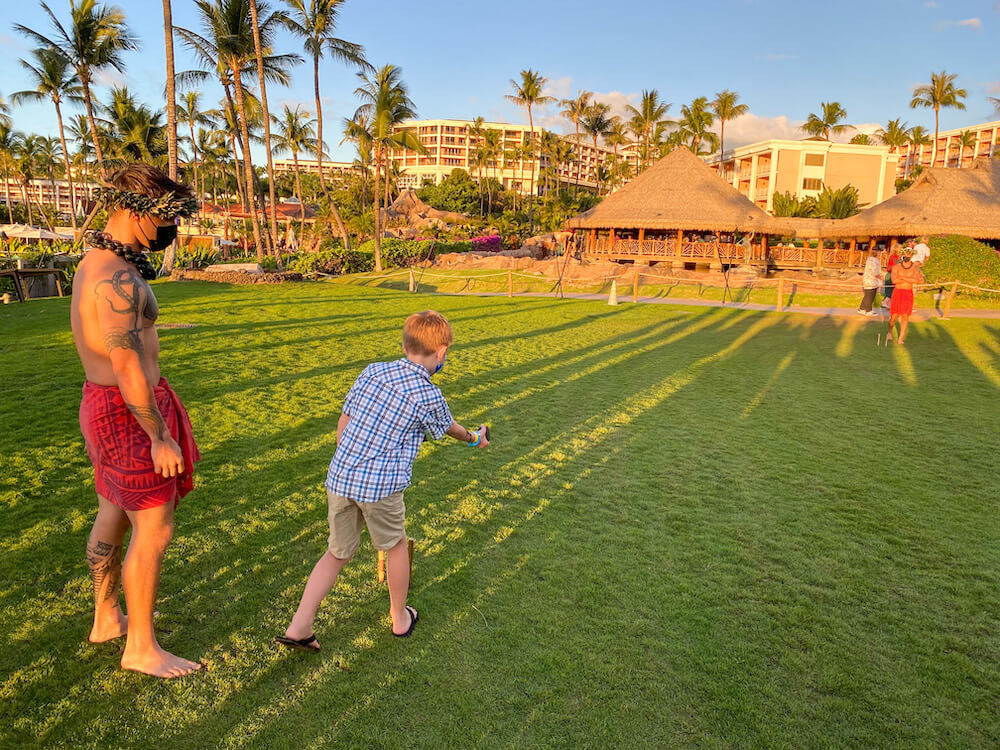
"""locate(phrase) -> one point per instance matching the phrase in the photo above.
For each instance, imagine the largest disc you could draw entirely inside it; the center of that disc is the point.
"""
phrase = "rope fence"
(947, 290)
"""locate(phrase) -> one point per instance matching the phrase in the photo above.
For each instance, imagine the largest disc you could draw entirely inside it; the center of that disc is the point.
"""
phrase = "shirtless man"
(137, 433)
(905, 275)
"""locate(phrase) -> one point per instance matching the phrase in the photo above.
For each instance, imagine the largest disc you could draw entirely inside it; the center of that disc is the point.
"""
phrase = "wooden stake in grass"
(413, 281)
(510, 283)
(380, 569)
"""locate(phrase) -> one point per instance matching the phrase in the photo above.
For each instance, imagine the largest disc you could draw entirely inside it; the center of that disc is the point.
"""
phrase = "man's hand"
(167, 457)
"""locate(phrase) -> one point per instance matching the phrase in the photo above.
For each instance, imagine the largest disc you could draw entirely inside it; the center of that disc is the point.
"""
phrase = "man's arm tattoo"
(105, 562)
(125, 297)
(150, 419)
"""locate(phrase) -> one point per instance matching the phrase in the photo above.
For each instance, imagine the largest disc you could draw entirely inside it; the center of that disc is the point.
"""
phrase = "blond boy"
(386, 414)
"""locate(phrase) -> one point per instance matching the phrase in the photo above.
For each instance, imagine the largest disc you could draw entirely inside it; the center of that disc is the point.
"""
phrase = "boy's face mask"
(165, 235)
(440, 364)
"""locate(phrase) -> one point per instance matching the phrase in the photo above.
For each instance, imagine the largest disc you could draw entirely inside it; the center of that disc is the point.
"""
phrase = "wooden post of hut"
(591, 240)
(819, 255)
(642, 242)
(612, 240)
(853, 259)
(678, 263)
(716, 264)
(763, 248)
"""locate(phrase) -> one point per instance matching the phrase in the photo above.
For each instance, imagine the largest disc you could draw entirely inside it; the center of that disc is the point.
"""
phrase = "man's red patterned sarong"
(119, 448)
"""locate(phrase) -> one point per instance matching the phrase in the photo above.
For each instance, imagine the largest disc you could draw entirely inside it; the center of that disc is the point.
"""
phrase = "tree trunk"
(934, 148)
(531, 182)
(168, 39)
(84, 76)
(341, 227)
(247, 163)
(267, 130)
(378, 233)
(27, 202)
(576, 182)
(298, 188)
(69, 170)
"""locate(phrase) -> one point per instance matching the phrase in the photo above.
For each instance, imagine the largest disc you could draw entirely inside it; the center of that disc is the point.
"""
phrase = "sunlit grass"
(695, 527)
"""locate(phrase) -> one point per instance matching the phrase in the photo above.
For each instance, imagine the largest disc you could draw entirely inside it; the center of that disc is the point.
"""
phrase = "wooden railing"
(725, 252)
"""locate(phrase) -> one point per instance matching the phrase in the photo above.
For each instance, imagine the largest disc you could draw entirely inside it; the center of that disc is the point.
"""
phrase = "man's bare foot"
(110, 627)
(159, 663)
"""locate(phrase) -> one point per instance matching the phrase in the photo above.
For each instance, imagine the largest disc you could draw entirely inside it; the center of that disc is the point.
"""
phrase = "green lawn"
(696, 527)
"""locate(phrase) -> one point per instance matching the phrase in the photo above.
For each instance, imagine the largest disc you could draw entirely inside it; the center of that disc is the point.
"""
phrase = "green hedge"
(397, 253)
(958, 258)
(332, 260)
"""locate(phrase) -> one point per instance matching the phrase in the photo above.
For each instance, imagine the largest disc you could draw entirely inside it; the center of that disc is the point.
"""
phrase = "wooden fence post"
(951, 296)
(510, 283)
(635, 285)
(413, 281)
(781, 294)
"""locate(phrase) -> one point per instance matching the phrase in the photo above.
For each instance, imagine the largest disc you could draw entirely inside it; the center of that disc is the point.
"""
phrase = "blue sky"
(458, 56)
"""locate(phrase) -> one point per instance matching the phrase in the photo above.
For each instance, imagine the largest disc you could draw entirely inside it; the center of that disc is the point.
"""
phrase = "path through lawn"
(696, 526)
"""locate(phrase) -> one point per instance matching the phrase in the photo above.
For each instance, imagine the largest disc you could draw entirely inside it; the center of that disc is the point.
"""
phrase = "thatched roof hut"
(679, 192)
(940, 201)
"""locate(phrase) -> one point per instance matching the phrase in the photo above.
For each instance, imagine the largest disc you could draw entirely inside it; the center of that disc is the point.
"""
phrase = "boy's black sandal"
(305, 644)
(413, 623)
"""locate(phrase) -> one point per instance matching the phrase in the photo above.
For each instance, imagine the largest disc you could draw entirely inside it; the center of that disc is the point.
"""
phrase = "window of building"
(815, 160)
(810, 183)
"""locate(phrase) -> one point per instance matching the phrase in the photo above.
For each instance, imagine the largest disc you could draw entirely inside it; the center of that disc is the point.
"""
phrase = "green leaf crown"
(167, 206)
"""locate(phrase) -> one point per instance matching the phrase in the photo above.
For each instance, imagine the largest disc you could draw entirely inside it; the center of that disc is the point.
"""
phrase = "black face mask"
(165, 235)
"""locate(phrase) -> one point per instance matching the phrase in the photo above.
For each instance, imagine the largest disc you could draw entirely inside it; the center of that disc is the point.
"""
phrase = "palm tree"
(4, 113)
(966, 139)
(189, 111)
(648, 120)
(385, 104)
(895, 134)
(262, 81)
(574, 110)
(296, 133)
(10, 144)
(528, 93)
(724, 107)
(53, 79)
(316, 23)
(492, 150)
(477, 157)
(94, 40)
(596, 123)
(940, 92)
(227, 45)
(829, 122)
(918, 137)
(617, 135)
(137, 131)
(696, 119)
(27, 157)
(862, 139)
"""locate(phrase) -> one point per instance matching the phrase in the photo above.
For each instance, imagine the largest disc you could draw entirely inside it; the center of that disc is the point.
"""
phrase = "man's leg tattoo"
(105, 561)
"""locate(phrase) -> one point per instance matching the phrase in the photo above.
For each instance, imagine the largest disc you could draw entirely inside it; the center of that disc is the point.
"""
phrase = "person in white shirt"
(921, 252)
(870, 282)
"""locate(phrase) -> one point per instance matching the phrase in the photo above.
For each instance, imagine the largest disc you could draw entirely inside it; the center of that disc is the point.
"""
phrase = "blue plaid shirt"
(391, 405)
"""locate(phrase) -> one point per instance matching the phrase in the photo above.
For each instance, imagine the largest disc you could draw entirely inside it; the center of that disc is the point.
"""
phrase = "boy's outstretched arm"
(460, 433)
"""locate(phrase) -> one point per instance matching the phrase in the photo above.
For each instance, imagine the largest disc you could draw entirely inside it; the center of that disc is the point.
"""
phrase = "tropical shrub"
(955, 257)
(197, 257)
(397, 253)
(457, 192)
(332, 259)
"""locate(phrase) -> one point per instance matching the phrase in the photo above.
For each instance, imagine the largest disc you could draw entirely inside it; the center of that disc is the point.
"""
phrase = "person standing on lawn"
(890, 264)
(387, 412)
(869, 282)
(906, 274)
(922, 251)
(137, 433)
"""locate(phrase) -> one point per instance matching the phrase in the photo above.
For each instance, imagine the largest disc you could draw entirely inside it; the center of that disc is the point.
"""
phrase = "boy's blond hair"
(426, 332)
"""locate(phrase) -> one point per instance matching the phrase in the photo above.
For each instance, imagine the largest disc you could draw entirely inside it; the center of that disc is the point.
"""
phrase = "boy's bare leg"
(397, 568)
(892, 326)
(151, 532)
(324, 575)
(104, 557)
(904, 322)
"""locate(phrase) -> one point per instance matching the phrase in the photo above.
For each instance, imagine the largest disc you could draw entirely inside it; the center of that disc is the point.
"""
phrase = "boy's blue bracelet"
(478, 438)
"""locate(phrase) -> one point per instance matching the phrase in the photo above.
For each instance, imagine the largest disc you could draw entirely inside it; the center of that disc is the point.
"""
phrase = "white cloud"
(932, 5)
(550, 119)
(560, 88)
(967, 23)
(109, 77)
(751, 128)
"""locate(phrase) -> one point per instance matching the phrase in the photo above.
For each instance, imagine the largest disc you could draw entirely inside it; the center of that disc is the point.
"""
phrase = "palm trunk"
(341, 227)
(89, 105)
(6, 192)
(531, 182)
(722, 143)
(267, 130)
(69, 170)
(298, 188)
(247, 163)
(194, 153)
(378, 234)
(934, 149)
(27, 201)
(576, 182)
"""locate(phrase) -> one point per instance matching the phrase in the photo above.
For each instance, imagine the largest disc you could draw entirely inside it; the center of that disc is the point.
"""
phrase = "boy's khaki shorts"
(385, 520)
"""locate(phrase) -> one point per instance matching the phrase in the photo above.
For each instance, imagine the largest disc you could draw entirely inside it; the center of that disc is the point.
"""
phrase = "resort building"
(450, 146)
(307, 165)
(803, 168)
(954, 148)
(46, 193)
